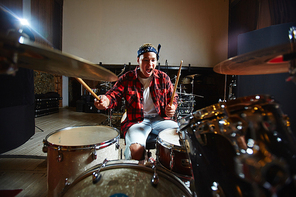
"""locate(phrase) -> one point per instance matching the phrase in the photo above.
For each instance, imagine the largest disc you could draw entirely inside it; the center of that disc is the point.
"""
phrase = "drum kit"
(186, 102)
(241, 147)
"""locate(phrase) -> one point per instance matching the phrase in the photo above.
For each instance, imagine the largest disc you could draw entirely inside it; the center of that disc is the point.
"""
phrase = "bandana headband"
(149, 49)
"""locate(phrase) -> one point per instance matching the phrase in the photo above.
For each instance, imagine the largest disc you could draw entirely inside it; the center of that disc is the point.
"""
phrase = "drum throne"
(150, 143)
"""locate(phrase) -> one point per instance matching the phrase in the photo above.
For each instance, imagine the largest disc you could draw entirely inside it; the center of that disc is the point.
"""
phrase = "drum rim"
(169, 145)
(96, 146)
(160, 171)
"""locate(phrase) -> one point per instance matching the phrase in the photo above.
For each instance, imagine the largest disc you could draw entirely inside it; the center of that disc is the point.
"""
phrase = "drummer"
(147, 93)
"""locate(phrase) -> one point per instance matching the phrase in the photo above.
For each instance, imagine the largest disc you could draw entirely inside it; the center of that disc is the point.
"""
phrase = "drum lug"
(94, 154)
(45, 146)
(172, 154)
(67, 182)
(117, 146)
(45, 149)
(60, 155)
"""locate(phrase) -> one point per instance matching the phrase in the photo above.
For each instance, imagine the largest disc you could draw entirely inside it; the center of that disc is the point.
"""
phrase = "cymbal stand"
(110, 117)
(108, 121)
(225, 85)
(193, 98)
(39, 129)
(231, 95)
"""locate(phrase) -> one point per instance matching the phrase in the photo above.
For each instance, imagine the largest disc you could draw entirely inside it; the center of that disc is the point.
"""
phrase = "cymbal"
(265, 61)
(39, 57)
(189, 94)
(186, 81)
(191, 76)
(18, 49)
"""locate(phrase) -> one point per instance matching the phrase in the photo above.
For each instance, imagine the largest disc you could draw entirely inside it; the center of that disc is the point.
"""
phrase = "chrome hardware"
(67, 182)
(94, 154)
(155, 178)
(60, 155)
(172, 155)
(96, 176)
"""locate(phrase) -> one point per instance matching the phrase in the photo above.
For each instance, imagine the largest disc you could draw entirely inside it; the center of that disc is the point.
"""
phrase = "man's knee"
(137, 151)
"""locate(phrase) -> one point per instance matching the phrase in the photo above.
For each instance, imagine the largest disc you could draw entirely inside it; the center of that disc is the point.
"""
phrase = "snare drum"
(171, 154)
(126, 178)
(242, 147)
(73, 150)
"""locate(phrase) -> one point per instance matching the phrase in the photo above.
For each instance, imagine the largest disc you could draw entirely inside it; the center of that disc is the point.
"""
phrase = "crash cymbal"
(192, 76)
(19, 49)
(265, 61)
(27, 54)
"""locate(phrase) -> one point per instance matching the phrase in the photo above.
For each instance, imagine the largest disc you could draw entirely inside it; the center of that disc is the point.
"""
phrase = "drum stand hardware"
(155, 178)
(96, 176)
(39, 129)
(231, 95)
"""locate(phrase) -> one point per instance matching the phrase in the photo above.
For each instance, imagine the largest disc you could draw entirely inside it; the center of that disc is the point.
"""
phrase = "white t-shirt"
(149, 108)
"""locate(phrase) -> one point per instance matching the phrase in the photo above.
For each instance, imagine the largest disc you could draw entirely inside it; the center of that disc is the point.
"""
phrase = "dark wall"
(246, 16)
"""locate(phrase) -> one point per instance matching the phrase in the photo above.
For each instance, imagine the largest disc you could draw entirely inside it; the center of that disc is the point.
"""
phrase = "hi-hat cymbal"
(265, 61)
(39, 57)
(189, 94)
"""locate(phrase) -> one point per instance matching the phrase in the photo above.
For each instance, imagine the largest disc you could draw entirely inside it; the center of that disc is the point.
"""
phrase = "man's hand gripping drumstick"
(101, 101)
(170, 108)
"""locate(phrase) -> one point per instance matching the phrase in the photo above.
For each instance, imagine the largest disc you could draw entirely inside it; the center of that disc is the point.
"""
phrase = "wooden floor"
(25, 168)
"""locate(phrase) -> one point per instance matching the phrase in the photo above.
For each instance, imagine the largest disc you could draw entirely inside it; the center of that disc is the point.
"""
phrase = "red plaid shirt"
(131, 89)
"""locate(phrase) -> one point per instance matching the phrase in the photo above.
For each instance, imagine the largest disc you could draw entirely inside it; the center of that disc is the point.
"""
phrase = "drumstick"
(176, 84)
(88, 88)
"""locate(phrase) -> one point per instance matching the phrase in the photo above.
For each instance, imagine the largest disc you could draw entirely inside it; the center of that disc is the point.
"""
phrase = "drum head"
(127, 180)
(82, 136)
(169, 136)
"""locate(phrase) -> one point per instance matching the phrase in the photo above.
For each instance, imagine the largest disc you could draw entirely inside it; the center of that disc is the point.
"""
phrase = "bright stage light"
(24, 21)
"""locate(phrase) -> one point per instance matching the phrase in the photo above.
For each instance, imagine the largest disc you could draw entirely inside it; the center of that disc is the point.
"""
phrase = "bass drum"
(126, 178)
(73, 150)
(242, 147)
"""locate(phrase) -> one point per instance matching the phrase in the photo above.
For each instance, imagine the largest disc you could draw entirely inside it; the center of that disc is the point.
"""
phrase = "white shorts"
(138, 133)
